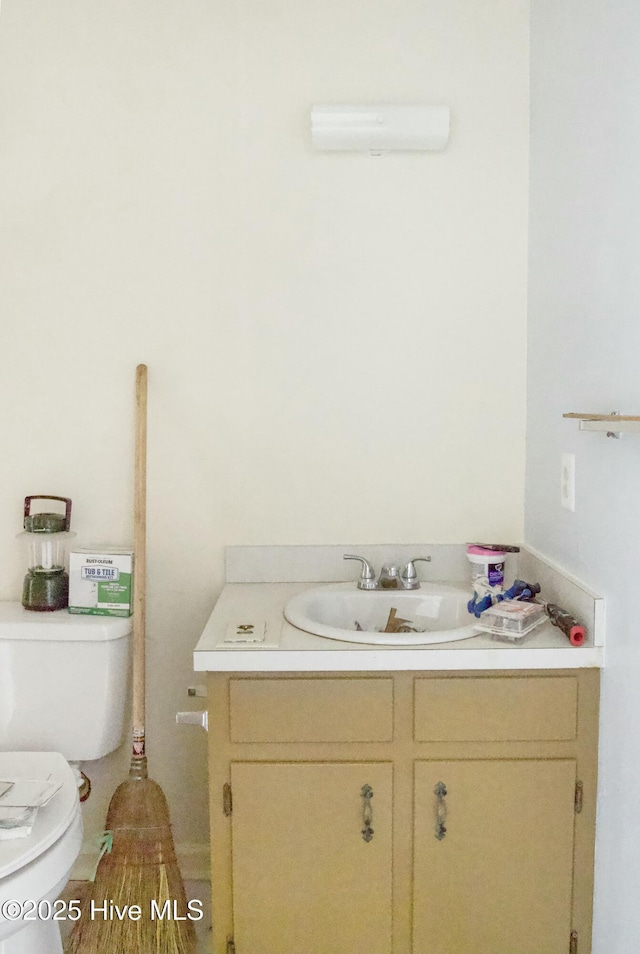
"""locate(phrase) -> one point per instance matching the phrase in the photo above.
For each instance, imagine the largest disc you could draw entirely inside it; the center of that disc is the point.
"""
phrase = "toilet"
(63, 692)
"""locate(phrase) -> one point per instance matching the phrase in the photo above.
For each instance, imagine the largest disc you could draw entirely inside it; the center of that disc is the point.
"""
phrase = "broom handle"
(139, 761)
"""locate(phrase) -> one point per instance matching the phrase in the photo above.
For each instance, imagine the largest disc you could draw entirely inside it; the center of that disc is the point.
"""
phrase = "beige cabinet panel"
(499, 881)
(493, 709)
(311, 710)
(305, 881)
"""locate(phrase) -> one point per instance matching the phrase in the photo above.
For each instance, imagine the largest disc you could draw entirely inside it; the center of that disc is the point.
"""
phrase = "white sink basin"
(437, 613)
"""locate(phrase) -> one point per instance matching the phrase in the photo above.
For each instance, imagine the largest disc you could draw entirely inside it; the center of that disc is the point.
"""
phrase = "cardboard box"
(101, 581)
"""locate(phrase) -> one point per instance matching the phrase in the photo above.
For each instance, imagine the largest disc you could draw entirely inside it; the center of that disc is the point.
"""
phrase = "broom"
(140, 868)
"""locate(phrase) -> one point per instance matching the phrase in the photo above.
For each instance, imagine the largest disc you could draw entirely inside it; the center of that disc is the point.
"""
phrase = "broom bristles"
(141, 870)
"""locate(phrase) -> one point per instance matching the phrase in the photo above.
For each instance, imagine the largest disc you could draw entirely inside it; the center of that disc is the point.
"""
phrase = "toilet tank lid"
(19, 623)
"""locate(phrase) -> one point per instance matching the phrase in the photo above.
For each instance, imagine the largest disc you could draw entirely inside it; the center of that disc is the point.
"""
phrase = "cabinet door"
(305, 880)
(498, 879)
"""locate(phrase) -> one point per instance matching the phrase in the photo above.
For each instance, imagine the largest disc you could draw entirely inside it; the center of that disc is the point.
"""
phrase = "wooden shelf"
(624, 423)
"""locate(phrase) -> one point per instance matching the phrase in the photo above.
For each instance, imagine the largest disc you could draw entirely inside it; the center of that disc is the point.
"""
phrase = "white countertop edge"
(328, 660)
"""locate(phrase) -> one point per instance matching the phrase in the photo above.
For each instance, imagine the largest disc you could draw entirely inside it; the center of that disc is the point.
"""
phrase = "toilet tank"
(64, 682)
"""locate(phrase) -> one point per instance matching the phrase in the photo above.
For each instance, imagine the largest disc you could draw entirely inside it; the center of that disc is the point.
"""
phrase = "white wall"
(336, 343)
(584, 342)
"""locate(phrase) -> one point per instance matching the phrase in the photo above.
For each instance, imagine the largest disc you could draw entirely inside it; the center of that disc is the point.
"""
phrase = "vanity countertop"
(258, 607)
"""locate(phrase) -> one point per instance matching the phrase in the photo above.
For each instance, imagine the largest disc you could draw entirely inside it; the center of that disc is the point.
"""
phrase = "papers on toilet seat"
(20, 799)
(27, 792)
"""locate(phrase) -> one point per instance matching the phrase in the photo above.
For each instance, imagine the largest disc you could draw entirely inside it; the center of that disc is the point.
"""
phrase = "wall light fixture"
(379, 128)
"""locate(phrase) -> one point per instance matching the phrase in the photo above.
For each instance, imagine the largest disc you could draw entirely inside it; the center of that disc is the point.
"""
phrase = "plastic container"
(511, 619)
(486, 565)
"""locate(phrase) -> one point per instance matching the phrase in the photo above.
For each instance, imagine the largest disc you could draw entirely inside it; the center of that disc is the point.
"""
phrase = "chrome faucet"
(391, 577)
(367, 578)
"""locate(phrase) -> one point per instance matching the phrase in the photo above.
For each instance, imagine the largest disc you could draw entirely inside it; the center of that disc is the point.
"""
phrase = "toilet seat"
(36, 868)
(52, 820)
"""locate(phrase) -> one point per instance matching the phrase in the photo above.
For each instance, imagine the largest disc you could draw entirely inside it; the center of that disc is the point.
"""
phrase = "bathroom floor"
(200, 890)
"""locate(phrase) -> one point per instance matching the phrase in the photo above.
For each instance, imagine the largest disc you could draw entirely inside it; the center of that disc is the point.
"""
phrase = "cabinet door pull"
(367, 812)
(440, 791)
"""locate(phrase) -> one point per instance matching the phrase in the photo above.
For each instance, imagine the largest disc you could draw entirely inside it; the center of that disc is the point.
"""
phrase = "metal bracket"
(227, 800)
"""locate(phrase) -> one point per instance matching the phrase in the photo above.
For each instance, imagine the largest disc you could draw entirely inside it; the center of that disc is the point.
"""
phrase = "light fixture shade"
(379, 128)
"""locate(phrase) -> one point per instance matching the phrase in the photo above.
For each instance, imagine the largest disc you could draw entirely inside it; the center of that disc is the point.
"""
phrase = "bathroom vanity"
(369, 800)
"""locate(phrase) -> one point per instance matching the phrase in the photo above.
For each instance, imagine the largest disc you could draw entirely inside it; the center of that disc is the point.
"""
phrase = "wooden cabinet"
(402, 813)
(503, 868)
(297, 834)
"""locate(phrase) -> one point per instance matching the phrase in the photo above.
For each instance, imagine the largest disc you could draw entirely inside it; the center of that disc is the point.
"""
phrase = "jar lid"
(497, 556)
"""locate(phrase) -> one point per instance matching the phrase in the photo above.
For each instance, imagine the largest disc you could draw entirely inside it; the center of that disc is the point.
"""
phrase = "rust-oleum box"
(101, 582)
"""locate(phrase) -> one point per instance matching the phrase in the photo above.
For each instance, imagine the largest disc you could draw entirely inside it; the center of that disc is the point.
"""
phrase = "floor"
(201, 890)
(195, 890)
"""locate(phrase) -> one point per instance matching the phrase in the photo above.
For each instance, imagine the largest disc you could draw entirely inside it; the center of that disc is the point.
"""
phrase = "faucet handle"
(409, 578)
(367, 578)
